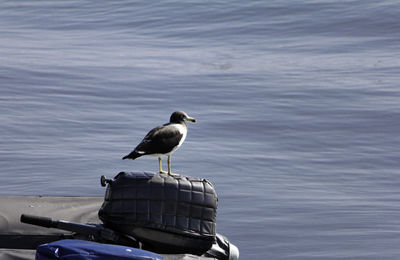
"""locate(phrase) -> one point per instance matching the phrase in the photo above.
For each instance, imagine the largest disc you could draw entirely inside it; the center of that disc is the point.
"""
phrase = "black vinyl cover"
(164, 212)
(18, 241)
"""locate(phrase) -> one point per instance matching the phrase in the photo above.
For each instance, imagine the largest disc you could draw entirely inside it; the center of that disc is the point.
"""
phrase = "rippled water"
(297, 106)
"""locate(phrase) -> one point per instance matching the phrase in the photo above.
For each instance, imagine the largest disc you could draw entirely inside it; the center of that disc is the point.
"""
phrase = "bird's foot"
(173, 174)
(163, 172)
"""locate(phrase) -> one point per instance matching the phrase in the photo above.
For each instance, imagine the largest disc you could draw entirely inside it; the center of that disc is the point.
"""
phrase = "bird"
(163, 140)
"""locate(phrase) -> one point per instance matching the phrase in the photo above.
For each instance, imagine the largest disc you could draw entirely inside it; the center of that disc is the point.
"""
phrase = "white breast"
(183, 130)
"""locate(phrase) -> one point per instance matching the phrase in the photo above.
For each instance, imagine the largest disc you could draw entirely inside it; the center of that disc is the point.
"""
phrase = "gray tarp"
(14, 234)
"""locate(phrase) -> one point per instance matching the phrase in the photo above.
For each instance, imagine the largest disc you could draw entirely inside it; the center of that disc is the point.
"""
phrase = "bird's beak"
(191, 119)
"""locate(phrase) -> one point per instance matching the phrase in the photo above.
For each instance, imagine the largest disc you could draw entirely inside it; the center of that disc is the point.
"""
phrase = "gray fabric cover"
(180, 205)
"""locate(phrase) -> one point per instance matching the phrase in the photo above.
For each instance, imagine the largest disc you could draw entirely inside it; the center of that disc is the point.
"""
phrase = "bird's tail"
(133, 155)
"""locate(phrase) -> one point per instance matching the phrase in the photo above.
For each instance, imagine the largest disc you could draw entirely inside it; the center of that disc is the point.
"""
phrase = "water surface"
(297, 106)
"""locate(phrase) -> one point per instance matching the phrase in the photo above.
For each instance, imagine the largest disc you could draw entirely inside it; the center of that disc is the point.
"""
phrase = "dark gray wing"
(161, 139)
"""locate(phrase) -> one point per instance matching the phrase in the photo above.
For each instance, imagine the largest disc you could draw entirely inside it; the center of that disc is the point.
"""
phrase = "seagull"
(163, 140)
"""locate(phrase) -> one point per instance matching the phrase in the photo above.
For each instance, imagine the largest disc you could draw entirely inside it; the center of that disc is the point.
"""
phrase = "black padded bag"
(167, 214)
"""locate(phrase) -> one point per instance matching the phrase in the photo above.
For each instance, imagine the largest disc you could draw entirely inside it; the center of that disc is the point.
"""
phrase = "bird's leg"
(169, 167)
(160, 165)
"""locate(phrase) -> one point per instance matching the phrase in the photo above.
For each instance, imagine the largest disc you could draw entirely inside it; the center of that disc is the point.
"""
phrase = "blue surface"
(297, 108)
(86, 250)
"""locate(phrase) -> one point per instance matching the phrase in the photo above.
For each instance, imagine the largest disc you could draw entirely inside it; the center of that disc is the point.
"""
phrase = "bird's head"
(180, 116)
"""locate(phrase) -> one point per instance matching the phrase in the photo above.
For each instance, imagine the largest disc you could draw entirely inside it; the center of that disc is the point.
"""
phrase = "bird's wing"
(161, 139)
